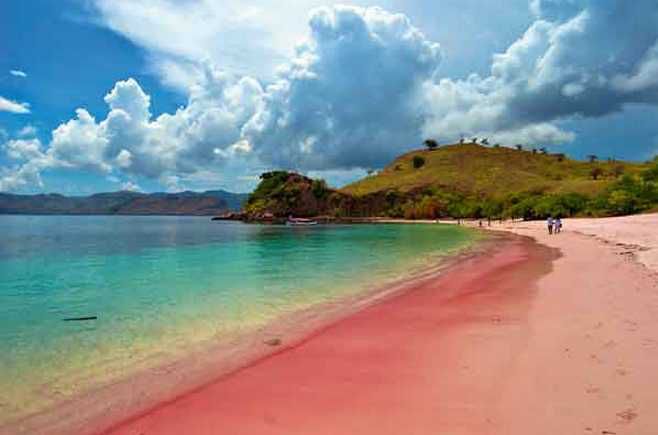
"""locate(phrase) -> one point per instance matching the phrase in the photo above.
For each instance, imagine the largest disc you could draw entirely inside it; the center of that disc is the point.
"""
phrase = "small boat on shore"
(300, 222)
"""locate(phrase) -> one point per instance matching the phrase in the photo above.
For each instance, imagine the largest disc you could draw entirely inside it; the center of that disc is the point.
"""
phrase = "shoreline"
(491, 265)
(217, 359)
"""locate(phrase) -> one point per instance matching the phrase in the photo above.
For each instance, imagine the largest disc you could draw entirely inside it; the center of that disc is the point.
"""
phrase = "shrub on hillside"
(621, 202)
(596, 172)
(319, 189)
(418, 162)
(651, 175)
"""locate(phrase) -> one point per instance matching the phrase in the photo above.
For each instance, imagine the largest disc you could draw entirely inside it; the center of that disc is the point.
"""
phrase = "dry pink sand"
(638, 233)
(590, 365)
(516, 342)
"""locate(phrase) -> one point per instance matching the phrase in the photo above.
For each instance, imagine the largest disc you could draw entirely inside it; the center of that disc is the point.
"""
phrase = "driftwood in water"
(78, 319)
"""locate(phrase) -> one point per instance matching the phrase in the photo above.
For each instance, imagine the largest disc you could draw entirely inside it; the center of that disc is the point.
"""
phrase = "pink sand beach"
(553, 335)
(536, 334)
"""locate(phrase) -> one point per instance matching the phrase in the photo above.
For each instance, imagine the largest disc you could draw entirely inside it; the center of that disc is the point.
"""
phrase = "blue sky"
(99, 95)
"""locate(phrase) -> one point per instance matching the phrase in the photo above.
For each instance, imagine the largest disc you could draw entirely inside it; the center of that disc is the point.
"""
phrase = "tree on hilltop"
(431, 144)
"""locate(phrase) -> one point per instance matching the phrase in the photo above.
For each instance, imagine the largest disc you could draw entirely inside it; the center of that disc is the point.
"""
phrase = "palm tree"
(592, 158)
(475, 140)
(485, 141)
(519, 147)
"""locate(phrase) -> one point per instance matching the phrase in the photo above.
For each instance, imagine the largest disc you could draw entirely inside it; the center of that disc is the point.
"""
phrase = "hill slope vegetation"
(470, 180)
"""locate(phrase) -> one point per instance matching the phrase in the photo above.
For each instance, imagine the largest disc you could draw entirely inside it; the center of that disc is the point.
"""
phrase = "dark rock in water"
(273, 342)
(78, 319)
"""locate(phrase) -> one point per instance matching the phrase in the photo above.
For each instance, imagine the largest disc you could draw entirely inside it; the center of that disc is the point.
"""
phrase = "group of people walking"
(554, 225)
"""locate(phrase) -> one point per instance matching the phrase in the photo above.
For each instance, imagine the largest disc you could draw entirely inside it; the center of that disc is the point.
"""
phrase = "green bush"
(269, 184)
(319, 189)
(651, 174)
(492, 209)
(418, 162)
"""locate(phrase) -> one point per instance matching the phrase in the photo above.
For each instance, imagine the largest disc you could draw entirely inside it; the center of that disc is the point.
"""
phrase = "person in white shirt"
(550, 224)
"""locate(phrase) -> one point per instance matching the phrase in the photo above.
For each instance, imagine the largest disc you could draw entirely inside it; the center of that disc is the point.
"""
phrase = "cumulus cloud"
(80, 143)
(200, 135)
(17, 73)
(7, 105)
(348, 97)
(24, 149)
(567, 64)
(28, 159)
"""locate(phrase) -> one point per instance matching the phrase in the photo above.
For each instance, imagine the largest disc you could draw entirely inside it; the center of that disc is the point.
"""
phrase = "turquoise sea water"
(160, 285)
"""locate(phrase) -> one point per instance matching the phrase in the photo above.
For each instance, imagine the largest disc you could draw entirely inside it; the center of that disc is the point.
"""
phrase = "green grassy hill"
(471, 169)
(469, 180)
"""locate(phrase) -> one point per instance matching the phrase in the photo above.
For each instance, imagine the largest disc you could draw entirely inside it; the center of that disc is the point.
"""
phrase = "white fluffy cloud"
(80, 143)
(362, 87)
(349, 96)
(567, 64)
(18, 73)
(28, 159)
(7, 105)
(201, 135)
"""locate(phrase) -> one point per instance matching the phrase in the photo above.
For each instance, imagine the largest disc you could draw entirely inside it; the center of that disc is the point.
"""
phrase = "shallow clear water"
(160, 285)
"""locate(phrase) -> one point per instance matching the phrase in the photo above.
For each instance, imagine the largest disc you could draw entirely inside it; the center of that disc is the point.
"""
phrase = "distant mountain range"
(210, 202)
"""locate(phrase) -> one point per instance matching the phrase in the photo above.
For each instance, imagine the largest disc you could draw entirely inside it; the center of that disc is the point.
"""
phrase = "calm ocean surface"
(160, 285)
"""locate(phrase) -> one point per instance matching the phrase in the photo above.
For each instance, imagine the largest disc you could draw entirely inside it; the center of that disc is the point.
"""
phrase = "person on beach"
(558, 225)
(550, 223)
